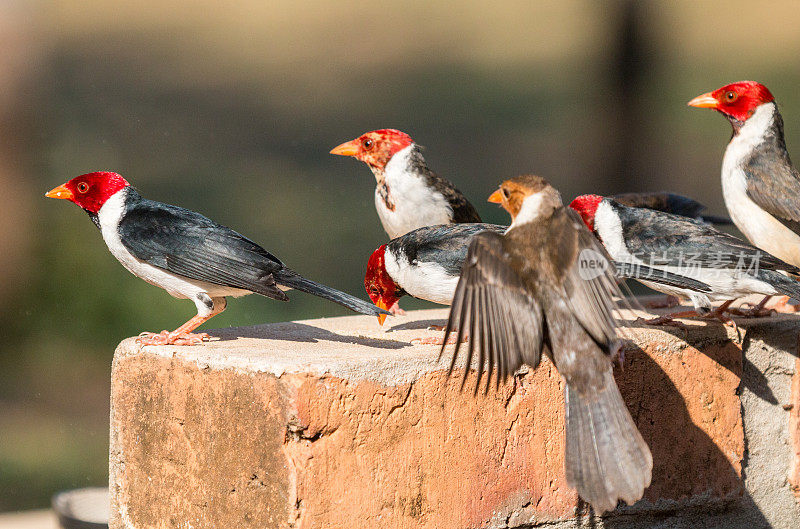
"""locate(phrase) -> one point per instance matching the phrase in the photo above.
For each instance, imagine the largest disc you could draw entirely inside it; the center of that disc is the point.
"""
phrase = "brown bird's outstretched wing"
(590, 285)
(495, 307)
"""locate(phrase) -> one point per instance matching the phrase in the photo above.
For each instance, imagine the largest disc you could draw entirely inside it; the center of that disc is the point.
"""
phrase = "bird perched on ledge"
(726, 266)
(408, 195)
(760, 185)
(186, 254)
(426, 264)
(526, 291)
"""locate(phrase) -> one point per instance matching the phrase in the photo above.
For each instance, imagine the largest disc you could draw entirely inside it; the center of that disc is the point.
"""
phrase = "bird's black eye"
(83, 187)
(367, 143)
(505, 192)
(731, 96)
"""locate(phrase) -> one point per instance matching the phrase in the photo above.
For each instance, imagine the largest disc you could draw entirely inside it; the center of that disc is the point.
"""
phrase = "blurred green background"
(230, 108)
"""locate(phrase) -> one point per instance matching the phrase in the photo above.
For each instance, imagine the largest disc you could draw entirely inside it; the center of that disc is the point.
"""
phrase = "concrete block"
(335, 423)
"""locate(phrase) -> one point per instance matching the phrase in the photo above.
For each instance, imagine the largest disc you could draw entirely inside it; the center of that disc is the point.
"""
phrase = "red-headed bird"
(760, 185)
(408, 195)
(725, 266)
(186, 254)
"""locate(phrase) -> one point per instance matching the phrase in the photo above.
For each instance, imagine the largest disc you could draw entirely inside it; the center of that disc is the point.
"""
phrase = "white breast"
(415, 204)
(760, 228)
(179, 287)
(427, 281)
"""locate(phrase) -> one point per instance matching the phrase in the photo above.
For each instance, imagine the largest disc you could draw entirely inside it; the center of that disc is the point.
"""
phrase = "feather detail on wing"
(502, 317)
(591, 285)
(188, 244)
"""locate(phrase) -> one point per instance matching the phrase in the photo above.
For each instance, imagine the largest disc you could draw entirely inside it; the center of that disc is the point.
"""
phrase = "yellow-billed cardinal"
(525, 291)
(426, 264)
(408, 195)
(186, 254)
(726, 266)
(760, 185)
(670, 203)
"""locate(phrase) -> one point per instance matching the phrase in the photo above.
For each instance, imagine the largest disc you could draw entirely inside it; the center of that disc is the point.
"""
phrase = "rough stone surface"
(337, 424)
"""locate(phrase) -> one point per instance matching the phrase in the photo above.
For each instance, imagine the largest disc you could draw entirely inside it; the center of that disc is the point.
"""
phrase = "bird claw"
(725, 320)
(396, 310)
(436, 327)
(169, 338)
(754, 312)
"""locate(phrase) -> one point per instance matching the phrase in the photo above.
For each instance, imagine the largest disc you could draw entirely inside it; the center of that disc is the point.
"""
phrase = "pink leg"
(181, 336)
(757, 311)
(396, 310)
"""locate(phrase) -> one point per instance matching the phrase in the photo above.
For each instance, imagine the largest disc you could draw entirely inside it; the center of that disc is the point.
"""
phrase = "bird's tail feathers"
(606, 458)
(786, 284)
(292, 279)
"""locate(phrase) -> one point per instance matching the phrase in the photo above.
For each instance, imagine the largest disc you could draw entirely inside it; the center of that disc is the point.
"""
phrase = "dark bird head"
(381, 288)
(375, 148)
(527, 197)
(586, 206)
(737, 100)
(90, 191)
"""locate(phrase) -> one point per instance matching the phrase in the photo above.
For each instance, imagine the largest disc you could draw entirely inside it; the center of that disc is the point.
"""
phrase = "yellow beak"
(60, 192)
(704, 101)
(496, 197)
(349, 148)
(381, 305)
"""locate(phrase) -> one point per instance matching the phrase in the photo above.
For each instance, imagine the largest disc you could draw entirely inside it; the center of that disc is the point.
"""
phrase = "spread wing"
(188, 244)
(498, 311)
(591, 285)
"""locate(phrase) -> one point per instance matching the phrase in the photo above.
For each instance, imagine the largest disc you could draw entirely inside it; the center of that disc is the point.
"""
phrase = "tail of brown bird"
(606, 458)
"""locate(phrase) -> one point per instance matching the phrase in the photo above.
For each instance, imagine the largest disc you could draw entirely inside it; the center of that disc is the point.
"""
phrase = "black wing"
(669, 203)
(504, 319)
(445, 244)
(661, 239)
(774, 184)
(643, 272)
(463, 210)
(188, 244)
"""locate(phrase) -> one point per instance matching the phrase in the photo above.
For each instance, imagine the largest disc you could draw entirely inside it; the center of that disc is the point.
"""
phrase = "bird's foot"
(755, 311)
(396, 310)
(172, 338)
(667, 303)
(665, 320)
(436, 327)
(783, 306)
(434, 340)
(720, 316)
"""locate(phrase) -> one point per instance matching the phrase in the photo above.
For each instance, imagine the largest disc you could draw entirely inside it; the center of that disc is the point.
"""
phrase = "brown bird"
(547, 284)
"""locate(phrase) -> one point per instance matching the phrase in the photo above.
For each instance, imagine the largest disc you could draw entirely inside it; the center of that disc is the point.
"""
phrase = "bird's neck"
(405, 165)
(765, 126)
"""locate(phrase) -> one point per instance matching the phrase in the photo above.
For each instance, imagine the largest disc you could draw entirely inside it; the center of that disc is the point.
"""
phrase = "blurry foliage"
(247, 144)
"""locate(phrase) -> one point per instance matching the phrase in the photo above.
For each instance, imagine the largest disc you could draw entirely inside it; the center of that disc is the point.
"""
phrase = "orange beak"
(349, 148)
(704, 101)
(496, 197)
(60, 192)
(381, 305)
